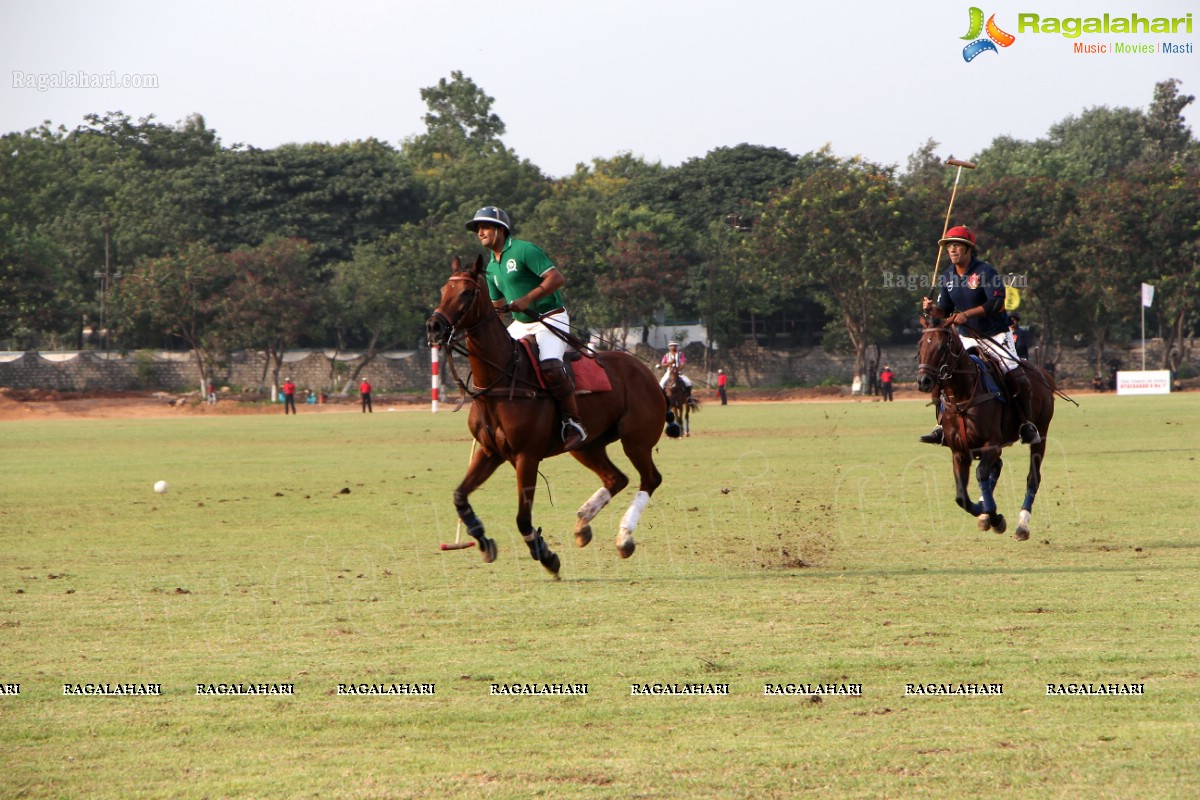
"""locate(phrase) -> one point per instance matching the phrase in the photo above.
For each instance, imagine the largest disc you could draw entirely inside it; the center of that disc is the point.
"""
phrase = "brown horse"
(679, 401)
(977, 424)
(515, 420)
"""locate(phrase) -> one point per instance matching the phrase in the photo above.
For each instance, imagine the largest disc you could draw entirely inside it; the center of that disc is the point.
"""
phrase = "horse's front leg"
(962, 478)
(527, 472)
(483, 464)
(1032, 481)
(987, 474)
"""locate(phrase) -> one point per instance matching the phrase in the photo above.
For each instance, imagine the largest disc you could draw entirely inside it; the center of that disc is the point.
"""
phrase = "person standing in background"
(289, 396)
(364, 391)
(722, 380)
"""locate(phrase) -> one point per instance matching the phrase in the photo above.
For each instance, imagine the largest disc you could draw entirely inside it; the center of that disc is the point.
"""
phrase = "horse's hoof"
(985, 524)
(551, 563)
(625, 545)
(1022, 532)
(487, 549)
(583, 536)
(999, 524)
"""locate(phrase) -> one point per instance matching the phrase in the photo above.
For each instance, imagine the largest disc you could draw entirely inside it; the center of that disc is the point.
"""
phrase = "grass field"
(806, 543)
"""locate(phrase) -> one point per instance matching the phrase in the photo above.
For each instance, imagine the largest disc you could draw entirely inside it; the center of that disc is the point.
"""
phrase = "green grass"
(808, 542)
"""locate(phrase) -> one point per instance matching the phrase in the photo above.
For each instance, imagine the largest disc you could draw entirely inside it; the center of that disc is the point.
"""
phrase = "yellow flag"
(1012, 298)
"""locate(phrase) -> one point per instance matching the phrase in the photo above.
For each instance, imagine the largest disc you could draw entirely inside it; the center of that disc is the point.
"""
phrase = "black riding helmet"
(495, 216)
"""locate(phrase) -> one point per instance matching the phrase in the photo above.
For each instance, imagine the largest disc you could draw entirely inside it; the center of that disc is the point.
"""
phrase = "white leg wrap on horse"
(588, 511)
(629, 522)
(1023, 519)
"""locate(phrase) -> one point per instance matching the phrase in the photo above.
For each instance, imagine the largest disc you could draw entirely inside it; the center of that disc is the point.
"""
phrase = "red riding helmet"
(959, 233)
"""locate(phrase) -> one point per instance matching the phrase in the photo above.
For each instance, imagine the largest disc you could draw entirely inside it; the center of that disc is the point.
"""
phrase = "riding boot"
(1022, 394)
(562, 388)
(935, 436)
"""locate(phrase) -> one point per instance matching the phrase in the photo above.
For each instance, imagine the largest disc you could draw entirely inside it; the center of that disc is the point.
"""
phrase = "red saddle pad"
(590, 376)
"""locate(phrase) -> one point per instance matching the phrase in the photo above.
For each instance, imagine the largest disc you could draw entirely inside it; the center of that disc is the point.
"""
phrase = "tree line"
(135, 234)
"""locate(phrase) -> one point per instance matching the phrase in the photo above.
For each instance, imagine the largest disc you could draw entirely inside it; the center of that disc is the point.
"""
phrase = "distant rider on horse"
(971, 296)
(676, 359)
(522, 279)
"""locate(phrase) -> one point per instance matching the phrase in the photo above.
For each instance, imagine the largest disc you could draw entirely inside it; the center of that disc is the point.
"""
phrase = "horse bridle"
(453, 341)
(941, 371)
(452, 325)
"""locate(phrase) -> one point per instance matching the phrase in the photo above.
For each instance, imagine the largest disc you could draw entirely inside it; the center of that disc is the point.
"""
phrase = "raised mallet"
(950, 162)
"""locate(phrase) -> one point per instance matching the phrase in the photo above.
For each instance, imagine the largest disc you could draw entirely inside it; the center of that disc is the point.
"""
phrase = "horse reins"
(454, 345)
(1037, 375)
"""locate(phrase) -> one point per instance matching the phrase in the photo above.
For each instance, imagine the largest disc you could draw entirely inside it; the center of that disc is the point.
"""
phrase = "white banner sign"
(1148, 382)
(1147, 295)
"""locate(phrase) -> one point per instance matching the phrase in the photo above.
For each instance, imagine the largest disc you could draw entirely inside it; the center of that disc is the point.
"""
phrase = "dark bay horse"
(679, 401)
(515, 420)
(977, 425)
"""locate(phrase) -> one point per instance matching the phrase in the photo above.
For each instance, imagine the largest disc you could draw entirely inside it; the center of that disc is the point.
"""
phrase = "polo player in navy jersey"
(971, 296)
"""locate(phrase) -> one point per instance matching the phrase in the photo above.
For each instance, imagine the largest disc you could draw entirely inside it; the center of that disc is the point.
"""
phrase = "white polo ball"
(161, 487)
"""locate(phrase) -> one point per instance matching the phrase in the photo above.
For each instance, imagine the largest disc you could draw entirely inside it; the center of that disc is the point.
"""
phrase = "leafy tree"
(832, 231)
(1168, 139)
(460, 162)
(1171, 230)
(380, 298)
(28, 271)
(1021, 227)
(460, 119)
(271, 301)
(182, 295)
(1109, 252)
(332, 196)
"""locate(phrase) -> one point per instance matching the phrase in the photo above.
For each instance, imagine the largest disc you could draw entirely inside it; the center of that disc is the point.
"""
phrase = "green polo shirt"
(518, 270)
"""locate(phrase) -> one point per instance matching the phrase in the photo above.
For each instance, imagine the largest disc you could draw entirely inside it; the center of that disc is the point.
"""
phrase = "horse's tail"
(693, 403)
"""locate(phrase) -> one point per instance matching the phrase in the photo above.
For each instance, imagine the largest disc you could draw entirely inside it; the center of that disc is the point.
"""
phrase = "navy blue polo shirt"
(978, 286)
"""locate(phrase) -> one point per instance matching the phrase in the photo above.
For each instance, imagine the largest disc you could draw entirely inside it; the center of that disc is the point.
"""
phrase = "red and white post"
(437, 379)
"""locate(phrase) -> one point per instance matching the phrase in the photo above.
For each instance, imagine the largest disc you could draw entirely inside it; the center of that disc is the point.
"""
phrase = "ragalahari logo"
(995, 36)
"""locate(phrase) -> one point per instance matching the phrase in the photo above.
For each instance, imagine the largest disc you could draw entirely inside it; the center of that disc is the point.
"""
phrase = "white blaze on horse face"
(629, 522)
(588, 511)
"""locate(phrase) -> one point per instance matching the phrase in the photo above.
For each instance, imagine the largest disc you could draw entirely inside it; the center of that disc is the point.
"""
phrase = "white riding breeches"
(998, 345)
(550, 346)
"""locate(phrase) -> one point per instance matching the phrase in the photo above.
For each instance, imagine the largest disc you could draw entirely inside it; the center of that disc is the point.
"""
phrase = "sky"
(665, 80)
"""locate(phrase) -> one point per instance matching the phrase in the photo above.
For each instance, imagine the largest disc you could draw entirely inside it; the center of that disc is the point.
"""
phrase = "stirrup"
(935, 436)
(1026, 436)
(573, 434)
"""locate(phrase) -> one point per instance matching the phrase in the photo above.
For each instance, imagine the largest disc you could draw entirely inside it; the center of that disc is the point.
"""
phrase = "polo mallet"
(950, 162)
(458, 543)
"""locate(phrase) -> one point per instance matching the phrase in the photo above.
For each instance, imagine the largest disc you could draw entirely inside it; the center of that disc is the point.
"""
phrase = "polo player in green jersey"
(522, 277)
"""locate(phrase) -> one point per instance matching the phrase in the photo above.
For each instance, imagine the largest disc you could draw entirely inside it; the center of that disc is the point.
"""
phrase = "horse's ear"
(477, 267)
(455, 265)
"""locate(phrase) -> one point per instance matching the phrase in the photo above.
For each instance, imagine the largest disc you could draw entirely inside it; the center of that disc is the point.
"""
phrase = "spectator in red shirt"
(885, 383)
(722, 380)
(364, 390)
(289, 396)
